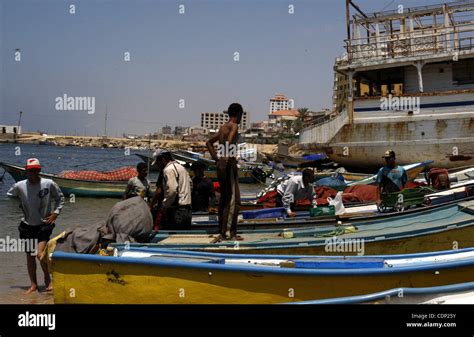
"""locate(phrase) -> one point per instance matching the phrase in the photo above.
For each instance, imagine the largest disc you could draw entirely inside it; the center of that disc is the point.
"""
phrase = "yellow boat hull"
(121, 283)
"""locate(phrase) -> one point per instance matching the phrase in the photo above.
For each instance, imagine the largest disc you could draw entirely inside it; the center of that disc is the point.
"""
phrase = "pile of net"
(120, 174)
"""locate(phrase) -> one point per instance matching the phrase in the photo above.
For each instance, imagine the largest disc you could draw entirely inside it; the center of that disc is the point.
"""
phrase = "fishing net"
(120, 174)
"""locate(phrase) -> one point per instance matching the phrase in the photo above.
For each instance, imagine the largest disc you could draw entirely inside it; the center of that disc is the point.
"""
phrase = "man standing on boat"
(294, 189)
(228, 172)
(139, 185)
(176, 212)
(391, 178)
(36, 195)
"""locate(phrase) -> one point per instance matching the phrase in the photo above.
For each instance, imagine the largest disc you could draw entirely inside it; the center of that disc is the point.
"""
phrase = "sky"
(173, 57)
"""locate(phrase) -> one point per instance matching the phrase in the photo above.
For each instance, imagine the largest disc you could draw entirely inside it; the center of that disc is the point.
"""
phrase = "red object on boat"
(121, 174)
(439, 178)
(217, 187)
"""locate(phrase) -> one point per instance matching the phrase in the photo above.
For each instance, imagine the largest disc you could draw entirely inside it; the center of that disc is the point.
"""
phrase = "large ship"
(406, 82)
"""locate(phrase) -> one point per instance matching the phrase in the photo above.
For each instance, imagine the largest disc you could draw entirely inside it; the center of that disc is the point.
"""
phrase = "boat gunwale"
(149, 261)
(445, 289)
(17, 168)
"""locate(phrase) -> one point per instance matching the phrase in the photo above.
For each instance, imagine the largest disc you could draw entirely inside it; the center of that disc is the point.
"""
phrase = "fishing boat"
(162, 276)
(459, 293)
(445, 227)
(77, 187)
(276, 218)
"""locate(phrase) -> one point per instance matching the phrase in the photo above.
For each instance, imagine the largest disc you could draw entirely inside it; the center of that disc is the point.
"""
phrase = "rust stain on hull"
(459, 158)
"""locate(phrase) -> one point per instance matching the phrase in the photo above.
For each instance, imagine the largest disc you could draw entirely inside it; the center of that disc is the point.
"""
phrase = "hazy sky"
(172, 56)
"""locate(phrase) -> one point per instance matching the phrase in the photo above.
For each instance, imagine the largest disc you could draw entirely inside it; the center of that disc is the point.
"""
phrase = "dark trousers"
(179, 217)
(229, 203)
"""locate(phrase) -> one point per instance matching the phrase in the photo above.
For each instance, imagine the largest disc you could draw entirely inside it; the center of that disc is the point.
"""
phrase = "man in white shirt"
(36, 195)
(176, 205)
(296, 188)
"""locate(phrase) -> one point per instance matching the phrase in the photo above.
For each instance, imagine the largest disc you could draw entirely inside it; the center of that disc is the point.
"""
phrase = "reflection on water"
(14, 279)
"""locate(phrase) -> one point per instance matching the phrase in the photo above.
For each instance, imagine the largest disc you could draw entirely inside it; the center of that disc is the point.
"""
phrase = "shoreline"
(114, 142)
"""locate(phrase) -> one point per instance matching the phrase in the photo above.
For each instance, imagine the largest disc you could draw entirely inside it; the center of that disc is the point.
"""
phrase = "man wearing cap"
(228, 172)
(36, 196)
(203, 194)
(391, 177)
(139, 185)
(176, 186)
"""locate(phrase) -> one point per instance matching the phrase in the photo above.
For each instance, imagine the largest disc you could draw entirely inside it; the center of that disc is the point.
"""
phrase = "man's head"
(161, 158)
(142, 170)
(308, 176)
(33, 169)
(389, 157)
(235, 110)
(198, 169)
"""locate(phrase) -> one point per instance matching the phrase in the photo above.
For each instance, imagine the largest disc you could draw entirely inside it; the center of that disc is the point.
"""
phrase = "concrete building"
(280, 102)
(277, 118)
(214, 120)
(10, 129)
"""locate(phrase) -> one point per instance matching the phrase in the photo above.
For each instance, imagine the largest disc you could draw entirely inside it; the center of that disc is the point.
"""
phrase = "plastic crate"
(322, 211)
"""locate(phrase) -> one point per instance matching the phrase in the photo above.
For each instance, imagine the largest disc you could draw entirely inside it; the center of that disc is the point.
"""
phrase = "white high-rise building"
(214, 120)
(280, 102)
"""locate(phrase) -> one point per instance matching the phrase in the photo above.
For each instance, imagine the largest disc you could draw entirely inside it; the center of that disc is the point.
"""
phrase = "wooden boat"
(161, 276)
(82, 188)
(446, 227)
(276, 218)
(459, 293)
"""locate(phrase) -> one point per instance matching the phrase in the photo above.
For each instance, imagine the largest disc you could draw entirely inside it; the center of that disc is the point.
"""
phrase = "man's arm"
(210, 145)
(127, 189)
(289, 196)
(170, 188)
(59, 202)
(378, 180)
(59, 199)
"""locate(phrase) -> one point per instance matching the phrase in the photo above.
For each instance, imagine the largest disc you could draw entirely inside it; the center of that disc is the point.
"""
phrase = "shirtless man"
(227, 172)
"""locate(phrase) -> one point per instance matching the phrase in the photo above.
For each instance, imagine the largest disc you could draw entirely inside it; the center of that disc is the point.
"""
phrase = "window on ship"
(463, 72)
(380, 82)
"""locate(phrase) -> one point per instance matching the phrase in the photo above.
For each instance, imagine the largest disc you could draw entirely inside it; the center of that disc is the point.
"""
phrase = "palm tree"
(299, 123)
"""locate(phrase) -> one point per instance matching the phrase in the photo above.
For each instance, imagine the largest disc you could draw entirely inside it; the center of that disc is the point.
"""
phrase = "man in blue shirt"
(391, 178)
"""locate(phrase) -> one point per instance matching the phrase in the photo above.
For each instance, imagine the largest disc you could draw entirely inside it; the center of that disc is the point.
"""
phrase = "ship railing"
(403, 46)
(324, 129)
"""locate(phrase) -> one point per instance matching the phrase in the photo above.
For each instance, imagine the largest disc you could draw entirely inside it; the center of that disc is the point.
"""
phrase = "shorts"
(40, 233)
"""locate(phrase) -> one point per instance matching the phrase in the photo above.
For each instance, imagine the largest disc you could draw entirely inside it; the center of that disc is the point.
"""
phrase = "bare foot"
(220, 238)
(49, 287)
(236, 237)
(33, 288)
